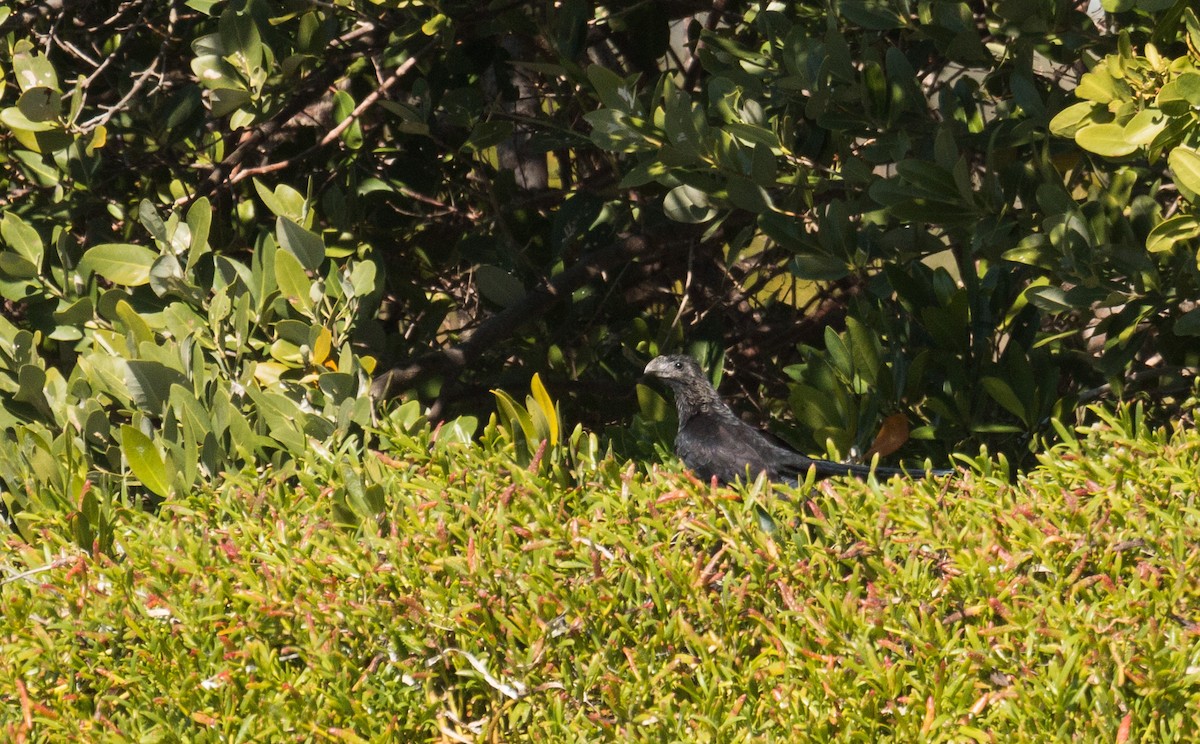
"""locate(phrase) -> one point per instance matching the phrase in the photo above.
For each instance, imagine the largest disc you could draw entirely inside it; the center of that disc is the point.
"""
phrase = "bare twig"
(111, 111)
(692, 73)
(337, 131)
(311, 86)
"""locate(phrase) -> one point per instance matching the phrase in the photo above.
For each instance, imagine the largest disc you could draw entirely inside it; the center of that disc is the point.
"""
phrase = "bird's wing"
(724, 446)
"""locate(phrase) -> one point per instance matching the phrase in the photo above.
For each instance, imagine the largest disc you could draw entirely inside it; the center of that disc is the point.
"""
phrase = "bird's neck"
(690, 402)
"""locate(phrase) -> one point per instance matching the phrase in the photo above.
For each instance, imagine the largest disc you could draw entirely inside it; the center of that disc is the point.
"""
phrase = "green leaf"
(818, 267)
(199, 221)
(499, 286)
(1034, 250)
(150, 384)
(688, 204)
(286, 352)
(1192, 22)
(864, 347)
(614, 92)
(240, 40)
(764, 169)
(839, 354)
(753, 135)
(32, 383)
(747, 195)
(343, 106)
(338, 386)
(305, 245)
(1068, 121)
(548, 412)
(167, 277)
(875, 15)
(363, 278)
(22, 238)
(152, 221)
(1002, 393)
(41, 104)
(120, 263)
(488, 134)
(144, 460)
(33, 71)
(929, 179)
(16, 120)
(516, 417)
(16, 266)
(1145, 126)
(1050, 299)
(612, 130)
(284, 201)
(1097, 86)
(1177, 97)
(225, 101)
(457, 431)
(134, 323)
(1188, 324)
(1172, 230)
(1185, 164)
(215, 73)
(74, 313)
(293, 282)
(435, 24)
(295, 331)
(1108, 140)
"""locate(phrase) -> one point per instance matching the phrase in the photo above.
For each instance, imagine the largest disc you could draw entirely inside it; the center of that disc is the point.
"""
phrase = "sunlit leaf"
(305, 245)
(1166, 234)
(120, 263)
(688, 204)
(548, 411)
(1185, 164)
(293, 282)
(145, 461)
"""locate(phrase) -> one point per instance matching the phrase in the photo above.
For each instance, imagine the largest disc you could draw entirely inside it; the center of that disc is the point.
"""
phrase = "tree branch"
(337, 131)
(306, 91)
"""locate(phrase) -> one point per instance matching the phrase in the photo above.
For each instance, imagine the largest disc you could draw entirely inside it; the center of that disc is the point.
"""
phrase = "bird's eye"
(678, 365)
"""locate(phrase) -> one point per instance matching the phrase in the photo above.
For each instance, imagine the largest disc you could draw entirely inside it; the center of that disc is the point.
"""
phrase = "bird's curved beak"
(651, 370)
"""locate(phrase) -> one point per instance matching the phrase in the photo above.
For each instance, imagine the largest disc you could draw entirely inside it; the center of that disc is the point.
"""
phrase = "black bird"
(712, 441)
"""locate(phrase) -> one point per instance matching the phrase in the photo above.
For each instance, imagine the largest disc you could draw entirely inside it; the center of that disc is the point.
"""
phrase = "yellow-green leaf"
(144, 460)
(293, 282)
(1170, 231)
(1108, 140)
(1185, 164)
(546, 406)
(120, 263)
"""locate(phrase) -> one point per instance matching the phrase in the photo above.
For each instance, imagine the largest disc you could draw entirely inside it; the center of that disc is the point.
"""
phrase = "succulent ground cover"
(440, 587)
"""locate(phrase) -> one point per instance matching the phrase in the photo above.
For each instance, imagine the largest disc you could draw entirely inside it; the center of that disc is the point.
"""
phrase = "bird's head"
(675, 369)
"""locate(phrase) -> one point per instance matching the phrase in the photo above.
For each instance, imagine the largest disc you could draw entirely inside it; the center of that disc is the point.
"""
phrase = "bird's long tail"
(825, 468)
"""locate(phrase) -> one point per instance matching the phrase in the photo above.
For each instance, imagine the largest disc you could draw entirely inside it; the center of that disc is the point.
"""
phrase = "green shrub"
(143, 372)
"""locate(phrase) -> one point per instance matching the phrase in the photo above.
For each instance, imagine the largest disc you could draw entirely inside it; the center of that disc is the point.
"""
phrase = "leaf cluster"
(175, 364)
